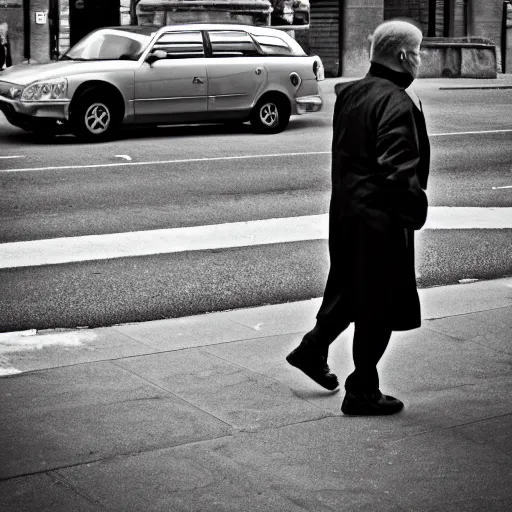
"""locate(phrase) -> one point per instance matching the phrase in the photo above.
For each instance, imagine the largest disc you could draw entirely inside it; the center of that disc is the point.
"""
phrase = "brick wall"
(414, 9)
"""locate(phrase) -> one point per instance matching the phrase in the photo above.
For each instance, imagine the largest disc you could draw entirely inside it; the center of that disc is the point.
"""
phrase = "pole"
(431, 32)
(26, 29)
(504, 38)
(446, 18)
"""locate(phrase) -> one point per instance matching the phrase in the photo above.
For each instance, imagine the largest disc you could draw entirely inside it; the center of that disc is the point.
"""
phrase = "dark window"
(181, 45)
(232, 43)
(273, 45)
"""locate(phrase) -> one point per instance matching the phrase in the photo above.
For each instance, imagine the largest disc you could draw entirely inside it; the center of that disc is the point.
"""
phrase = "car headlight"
(46, 90)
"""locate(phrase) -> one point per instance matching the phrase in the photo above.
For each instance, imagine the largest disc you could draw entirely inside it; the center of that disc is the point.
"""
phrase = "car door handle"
(197, 80)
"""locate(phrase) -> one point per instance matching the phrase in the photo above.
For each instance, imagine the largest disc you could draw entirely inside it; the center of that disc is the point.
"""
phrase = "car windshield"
(108, 45)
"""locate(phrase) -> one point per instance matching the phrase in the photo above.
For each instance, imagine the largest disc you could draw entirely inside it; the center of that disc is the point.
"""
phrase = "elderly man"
(380, 165)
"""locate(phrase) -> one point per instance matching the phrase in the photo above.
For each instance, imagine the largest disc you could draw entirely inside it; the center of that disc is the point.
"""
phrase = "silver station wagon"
(192, 73)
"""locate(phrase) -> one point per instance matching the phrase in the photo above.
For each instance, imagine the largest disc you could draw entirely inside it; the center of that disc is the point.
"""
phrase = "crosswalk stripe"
(218, 236)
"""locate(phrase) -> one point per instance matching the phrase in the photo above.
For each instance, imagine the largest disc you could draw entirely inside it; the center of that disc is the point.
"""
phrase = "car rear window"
(273, 45)
(181, 45)
(232, 43)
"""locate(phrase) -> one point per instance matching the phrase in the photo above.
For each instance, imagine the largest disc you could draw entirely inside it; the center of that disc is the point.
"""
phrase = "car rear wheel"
(94, 117)
(270, 115)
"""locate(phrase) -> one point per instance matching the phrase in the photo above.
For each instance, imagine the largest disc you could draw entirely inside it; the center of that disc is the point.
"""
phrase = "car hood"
(24, 74)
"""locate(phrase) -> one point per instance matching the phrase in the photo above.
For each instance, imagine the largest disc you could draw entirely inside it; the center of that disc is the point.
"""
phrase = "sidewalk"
(204, 414)
(503, 81)
(445, 87)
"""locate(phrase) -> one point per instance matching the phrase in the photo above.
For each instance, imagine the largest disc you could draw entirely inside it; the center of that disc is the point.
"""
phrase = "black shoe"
(314, 365)
(370, 404)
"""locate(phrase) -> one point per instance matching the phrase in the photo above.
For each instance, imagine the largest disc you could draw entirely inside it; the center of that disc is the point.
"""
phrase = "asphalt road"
(192, 176)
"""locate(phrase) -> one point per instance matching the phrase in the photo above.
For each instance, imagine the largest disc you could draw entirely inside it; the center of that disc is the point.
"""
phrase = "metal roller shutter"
(324, 35)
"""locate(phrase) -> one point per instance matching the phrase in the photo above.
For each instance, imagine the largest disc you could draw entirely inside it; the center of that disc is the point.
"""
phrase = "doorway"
(88, 15)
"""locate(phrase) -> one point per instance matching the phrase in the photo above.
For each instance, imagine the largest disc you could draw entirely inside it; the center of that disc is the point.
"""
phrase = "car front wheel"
(94, 117)
(270, 115)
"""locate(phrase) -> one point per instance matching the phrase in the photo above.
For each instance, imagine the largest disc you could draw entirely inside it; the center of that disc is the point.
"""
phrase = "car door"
(175, 87)
(236, 71)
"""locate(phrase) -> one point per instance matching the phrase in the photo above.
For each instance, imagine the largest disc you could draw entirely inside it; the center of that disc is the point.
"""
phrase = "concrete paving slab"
(42, 493)
(280, 318)
(74, 415)
(55, 348)
(459, 299)
(424, 360)
(472, 325)
(267, 356)
(499, 340)
(416, 361)
(191, 479)
(445, 408)
(342, 464)
(244, 399)
(351, 464)
(186, 332)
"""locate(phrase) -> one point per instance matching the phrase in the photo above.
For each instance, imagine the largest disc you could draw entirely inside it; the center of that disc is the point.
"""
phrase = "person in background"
(5, 48)
(380, 166)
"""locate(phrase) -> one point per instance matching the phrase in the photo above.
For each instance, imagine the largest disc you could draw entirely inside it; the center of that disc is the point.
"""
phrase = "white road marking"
(13, 156)
(468, 133)
(214, 159)
(126, 157)
(218, 236)
(166, 162)
(496, 188)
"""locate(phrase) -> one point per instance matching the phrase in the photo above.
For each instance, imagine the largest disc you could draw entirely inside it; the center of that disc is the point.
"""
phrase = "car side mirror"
(156, 55)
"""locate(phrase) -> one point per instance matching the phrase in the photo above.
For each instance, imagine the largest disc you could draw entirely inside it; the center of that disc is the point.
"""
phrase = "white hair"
(392, 36)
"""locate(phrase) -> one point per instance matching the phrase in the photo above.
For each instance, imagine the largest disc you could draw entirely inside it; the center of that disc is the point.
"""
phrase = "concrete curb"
(470, 87)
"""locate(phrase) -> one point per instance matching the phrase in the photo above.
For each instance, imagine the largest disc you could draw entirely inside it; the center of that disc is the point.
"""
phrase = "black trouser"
(369, 344)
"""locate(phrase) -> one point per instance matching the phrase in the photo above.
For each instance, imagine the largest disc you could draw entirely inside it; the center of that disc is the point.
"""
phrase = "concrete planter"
(458, 58)
(169, 12)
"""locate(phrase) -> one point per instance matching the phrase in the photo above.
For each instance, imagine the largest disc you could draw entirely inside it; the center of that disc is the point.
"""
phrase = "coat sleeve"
(398, 157)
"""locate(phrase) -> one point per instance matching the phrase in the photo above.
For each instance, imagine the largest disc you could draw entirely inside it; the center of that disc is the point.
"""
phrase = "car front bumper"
(307, 104)
(20, 112)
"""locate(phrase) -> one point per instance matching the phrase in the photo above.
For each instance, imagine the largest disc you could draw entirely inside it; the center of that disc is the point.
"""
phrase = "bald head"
(396, 42)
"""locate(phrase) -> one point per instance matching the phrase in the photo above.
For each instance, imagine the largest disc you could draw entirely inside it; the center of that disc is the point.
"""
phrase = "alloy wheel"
(269, 114)
(97, 118)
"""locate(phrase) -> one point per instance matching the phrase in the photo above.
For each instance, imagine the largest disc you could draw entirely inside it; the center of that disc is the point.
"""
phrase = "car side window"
(181, 45)
(273, 45)
(232, 43)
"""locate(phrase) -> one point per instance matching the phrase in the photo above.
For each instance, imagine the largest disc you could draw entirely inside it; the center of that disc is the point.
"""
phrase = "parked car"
(175, 74)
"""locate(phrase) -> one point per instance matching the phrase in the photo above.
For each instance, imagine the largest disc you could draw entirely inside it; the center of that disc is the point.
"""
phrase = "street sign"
(41, 18)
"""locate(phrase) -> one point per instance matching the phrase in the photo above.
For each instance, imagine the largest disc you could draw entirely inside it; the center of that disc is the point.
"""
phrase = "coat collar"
(401, 79)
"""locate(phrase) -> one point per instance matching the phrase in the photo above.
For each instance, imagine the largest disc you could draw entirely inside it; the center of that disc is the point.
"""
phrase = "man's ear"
(401, 56)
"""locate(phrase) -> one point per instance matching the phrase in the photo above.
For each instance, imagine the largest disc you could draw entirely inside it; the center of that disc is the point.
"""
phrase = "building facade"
(336, 30)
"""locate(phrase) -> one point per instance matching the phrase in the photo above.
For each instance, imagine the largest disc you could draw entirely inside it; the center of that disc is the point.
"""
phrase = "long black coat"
(380, 165)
